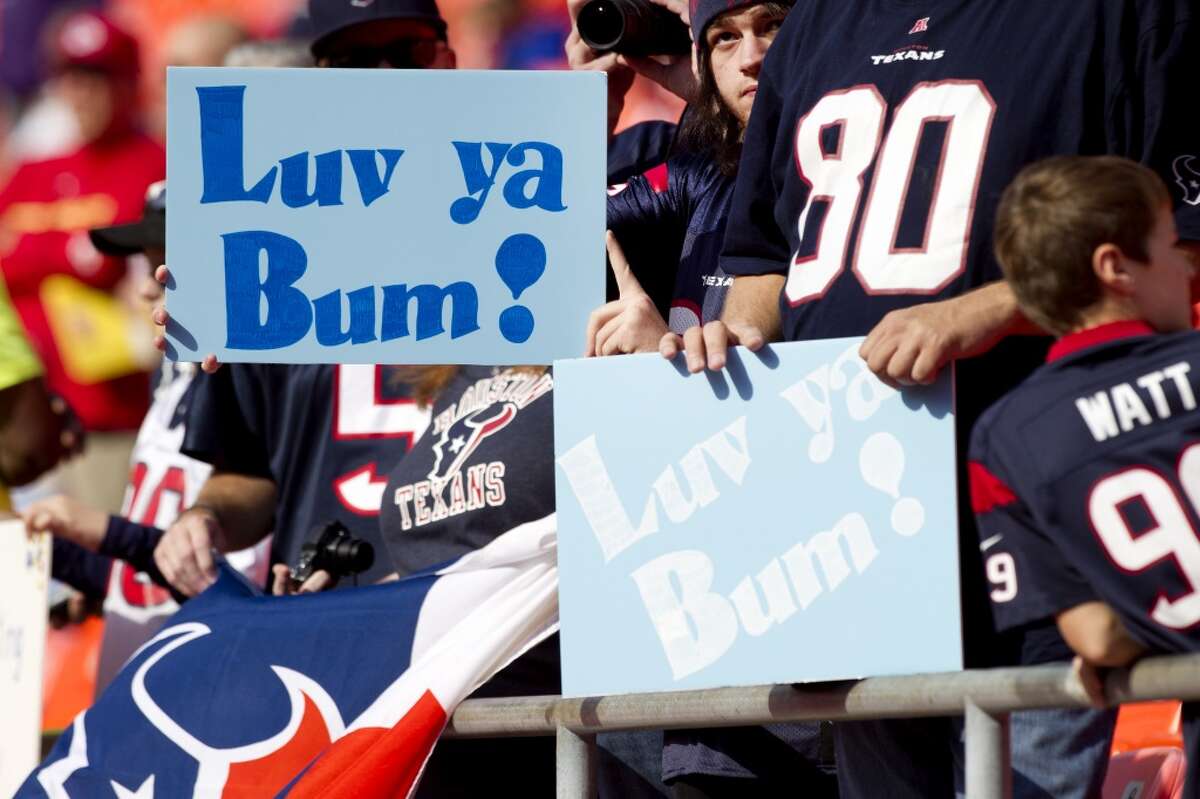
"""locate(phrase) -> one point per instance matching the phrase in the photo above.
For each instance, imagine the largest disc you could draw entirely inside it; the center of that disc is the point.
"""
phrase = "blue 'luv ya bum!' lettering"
(222, 161)
(528, 188)
(290, 315)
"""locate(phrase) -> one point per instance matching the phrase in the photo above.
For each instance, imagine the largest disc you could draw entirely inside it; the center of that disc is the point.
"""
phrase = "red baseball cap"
(93, 41)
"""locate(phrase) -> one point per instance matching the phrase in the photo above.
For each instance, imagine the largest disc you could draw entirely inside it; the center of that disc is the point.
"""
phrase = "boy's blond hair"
(1054, 215)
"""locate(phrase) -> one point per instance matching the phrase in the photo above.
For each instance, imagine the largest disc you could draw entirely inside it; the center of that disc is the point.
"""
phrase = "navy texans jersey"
(1086, 484)
(873, 163)
(327, 435)
(670, 223)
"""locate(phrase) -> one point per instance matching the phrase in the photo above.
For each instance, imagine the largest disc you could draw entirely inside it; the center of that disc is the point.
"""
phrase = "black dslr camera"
(632, 27)
(335, 550)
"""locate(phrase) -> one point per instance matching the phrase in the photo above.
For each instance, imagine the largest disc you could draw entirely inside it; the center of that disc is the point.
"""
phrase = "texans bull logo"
(1187, 178)
(460, 439)
(314, 742)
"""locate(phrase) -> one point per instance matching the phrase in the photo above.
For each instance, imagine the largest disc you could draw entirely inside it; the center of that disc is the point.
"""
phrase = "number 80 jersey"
(884, 132)
(1086, 484)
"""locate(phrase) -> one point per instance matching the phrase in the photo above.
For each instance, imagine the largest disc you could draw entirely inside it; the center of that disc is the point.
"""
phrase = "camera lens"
(353, 555)
(632, 27)
(601, 24)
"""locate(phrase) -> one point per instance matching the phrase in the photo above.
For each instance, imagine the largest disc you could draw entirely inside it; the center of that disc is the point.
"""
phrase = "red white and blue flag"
(343, 693)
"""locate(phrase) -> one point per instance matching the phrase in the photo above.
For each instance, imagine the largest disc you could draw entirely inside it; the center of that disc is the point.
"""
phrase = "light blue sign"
(789, 520)
(383, 216)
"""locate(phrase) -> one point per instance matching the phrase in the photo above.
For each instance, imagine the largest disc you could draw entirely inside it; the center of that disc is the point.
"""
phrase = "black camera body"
(333, 549)
(632, 27)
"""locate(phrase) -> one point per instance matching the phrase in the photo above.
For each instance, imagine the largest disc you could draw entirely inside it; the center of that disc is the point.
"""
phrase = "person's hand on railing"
(1091, 677)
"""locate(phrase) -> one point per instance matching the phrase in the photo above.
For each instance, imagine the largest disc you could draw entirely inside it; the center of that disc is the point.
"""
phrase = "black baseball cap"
(705, 11)
(133, 237)
(327, 17)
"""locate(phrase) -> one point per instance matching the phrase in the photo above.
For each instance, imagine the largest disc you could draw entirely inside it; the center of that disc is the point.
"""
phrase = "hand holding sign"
(628, 324)
(161, 319)
(727, 531)
(69, 519)
(911, 345)
(750, 319)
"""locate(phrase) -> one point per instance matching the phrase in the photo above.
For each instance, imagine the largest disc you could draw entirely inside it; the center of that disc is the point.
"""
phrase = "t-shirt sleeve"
(1029, 578)
(134, 543)
(754, 242)
(1153, 116)
(222, 424)
(86, 572)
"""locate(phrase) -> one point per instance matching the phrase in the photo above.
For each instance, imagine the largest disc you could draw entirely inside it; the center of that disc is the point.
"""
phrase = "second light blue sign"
(790, 519)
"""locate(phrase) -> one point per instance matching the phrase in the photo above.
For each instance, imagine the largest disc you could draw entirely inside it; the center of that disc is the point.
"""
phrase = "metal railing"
(984, 696)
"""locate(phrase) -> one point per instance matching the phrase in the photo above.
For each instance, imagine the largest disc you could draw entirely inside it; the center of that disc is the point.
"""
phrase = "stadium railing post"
(988, 772)
(576, 764)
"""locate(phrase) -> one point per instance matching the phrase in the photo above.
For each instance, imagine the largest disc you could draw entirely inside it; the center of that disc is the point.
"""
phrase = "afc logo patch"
(920, 26)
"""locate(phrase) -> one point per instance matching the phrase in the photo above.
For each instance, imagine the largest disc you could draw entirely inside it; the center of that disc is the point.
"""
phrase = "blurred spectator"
(275, 53)
(93, 552)
(61, 287)
(201, 41)
(32, 435)
(45, 129)
(22, 58)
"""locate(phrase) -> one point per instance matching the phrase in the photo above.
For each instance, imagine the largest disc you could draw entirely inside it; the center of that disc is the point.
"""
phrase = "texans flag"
(335, 694)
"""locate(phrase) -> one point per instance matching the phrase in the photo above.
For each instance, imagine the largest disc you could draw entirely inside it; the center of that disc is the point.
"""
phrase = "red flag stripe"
(376, 763)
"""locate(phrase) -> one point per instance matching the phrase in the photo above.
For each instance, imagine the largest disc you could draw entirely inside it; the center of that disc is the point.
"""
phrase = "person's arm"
(94, 531)
(628, 324)
(649, 217)
(1096, 633)
(87, 539)
(233, 511)
(86, 572)
(911, 345)
(1099, 638)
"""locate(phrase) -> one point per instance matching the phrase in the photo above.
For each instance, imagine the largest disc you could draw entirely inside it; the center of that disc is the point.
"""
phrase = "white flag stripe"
(484, 611)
